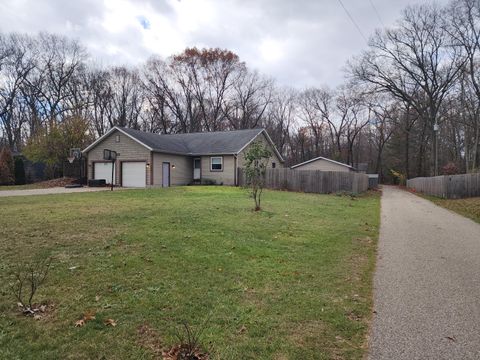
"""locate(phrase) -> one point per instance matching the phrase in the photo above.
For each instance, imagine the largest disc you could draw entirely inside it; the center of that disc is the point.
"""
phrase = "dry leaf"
(242, 329)
(89, 315)
(37, 316)
(451, 338)
(97, 298)
(79, 323)
(43, 308)
(110, 322)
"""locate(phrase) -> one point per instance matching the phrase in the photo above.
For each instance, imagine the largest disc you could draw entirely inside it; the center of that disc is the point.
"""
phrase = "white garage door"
(104, 171)
(134, 174)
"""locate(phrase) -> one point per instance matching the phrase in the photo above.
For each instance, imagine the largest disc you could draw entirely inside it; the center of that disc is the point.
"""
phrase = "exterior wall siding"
(182, 174)
(128, 149)
(274, 158)
(225, 177)
(323, 165)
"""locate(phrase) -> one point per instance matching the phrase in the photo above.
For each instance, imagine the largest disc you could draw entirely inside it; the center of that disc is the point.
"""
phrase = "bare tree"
(249, 100)
(281, 117)
(414, 62)
(16, 62)
(464, 28)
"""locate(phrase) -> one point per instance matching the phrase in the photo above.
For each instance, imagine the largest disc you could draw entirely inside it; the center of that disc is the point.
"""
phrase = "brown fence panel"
(448, 187)
(312, 181)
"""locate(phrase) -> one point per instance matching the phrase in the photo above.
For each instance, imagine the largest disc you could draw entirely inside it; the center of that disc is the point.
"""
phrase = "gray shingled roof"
(220, 142)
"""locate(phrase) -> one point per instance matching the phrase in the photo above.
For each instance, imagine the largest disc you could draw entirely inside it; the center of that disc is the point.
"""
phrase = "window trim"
(211, 163)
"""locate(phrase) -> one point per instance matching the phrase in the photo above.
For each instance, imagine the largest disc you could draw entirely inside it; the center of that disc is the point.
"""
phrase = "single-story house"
(323, 164)
(148, 159)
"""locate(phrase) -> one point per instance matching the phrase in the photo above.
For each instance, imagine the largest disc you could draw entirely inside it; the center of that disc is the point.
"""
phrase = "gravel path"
(49, 191)
(427, 282)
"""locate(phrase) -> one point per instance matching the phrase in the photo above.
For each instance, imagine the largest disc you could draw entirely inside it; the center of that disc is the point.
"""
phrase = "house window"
(273, 165)
(117, 138)
(216, 163)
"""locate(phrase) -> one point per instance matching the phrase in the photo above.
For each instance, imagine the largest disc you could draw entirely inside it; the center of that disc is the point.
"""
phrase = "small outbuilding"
(323, 164)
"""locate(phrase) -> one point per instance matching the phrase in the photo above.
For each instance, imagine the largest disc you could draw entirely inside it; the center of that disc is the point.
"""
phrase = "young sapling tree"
(256, 162)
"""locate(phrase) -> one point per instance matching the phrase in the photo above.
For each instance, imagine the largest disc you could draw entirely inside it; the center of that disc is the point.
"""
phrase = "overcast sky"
(298, 42)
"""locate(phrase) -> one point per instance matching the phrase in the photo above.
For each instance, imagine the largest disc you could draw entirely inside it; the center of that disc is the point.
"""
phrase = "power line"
(353, 21)
(376, 12)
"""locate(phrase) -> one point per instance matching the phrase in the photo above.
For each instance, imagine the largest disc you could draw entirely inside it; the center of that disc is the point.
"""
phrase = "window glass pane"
(216, 163)
(273, 165)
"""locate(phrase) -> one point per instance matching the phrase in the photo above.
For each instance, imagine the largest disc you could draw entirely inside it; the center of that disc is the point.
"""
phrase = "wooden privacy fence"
(448, 186)
(312, 181)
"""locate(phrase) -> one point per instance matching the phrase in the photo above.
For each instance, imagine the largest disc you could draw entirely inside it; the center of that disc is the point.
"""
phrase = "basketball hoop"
(75, 154)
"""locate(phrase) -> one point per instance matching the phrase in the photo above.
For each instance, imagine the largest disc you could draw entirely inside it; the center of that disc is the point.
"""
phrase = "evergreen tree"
(19, 171)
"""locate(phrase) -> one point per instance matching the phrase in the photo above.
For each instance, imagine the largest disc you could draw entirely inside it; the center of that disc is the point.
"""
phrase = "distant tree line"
(410, 102)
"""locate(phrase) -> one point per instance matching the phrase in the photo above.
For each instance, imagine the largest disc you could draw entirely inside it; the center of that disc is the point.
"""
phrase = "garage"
(103, 170)
(134, 174)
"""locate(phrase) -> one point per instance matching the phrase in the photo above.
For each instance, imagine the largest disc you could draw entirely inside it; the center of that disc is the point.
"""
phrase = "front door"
(196, 168)
(165, 174)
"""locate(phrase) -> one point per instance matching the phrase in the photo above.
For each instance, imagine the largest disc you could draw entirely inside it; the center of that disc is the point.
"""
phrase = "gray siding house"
(148, 159)
(323, 164)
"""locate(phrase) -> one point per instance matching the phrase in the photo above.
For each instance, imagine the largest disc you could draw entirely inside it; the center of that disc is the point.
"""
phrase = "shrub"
(450, 169)
(208, 182)
(19, 171)
(399, 178)
(6, 167)
(27, 278)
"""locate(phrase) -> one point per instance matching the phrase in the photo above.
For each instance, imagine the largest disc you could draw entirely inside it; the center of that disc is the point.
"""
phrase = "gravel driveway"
(49, 191)
(427, 282)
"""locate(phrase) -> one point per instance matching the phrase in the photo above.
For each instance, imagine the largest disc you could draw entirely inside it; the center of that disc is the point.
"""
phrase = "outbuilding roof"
(322, 158)
(193, 144)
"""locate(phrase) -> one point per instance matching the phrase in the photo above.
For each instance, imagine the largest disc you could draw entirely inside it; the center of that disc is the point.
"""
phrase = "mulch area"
(60, 182)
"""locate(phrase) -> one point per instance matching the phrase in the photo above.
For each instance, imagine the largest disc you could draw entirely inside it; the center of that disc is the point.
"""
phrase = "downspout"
(151, 169)
(235, 174)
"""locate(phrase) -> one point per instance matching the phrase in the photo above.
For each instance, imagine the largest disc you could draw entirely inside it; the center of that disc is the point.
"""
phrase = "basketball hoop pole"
(111, 156)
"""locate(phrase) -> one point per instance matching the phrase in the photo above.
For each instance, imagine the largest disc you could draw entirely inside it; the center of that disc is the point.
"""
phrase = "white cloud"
(271, 50)
(300, 43)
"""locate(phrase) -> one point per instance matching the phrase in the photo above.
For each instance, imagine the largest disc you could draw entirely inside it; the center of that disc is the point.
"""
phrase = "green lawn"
(293, 281)
(19, 187)
(467, 207)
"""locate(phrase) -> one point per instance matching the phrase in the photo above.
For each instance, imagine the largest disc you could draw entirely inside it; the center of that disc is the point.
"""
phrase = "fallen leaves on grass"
(87, 316)
(149, 339)
(242, 330)
(110, 322)
(182, 352)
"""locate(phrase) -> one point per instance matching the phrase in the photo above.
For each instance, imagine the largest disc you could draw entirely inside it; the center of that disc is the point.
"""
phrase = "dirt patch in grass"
(150, 339)
(305, 332)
